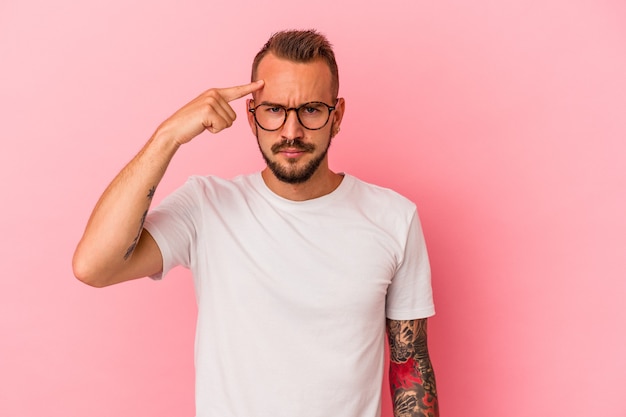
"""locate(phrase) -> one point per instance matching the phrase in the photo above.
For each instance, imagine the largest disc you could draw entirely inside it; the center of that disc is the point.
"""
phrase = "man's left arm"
(411, 375)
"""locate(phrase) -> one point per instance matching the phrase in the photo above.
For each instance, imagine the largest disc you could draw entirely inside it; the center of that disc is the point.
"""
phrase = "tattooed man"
(299, 271)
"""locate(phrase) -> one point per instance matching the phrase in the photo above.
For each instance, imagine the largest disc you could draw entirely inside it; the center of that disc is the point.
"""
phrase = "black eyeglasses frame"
(287, 110)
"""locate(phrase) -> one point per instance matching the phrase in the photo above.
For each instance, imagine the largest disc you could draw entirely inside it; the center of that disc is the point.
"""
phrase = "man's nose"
(292, 128)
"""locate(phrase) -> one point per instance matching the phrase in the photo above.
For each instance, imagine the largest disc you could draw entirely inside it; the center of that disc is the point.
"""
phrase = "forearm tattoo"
(133, 245)
(411, 375)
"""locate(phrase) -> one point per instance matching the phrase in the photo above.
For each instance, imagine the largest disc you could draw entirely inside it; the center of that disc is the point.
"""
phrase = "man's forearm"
(116, 222)
(411, 374)
(413, 389)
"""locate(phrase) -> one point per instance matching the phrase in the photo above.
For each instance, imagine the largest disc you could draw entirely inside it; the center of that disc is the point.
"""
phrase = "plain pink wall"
(505, 121)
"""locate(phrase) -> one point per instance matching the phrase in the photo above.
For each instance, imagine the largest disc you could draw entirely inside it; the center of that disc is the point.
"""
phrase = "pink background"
(504, 120)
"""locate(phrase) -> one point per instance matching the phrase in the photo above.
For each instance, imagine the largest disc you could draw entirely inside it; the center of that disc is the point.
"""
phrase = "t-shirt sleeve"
(172, 225)
(409, 295)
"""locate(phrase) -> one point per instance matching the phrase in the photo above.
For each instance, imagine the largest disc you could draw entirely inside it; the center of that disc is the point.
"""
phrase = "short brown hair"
(300, 46)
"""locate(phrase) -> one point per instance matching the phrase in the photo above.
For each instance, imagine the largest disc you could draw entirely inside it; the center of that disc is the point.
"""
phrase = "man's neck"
(323, 182)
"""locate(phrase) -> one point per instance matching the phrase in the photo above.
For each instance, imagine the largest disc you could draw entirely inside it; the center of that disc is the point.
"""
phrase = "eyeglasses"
(313, 115)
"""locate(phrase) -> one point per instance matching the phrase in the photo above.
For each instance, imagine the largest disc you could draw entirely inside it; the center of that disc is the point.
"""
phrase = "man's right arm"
(115, 247)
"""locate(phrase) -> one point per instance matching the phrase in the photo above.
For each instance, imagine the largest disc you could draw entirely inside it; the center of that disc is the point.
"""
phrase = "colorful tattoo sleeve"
(411, 375)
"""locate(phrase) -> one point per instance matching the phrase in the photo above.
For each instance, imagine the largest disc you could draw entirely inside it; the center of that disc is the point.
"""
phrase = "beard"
(292, 174)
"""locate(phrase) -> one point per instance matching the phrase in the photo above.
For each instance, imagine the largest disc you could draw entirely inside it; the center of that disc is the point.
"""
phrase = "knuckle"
(210, 100)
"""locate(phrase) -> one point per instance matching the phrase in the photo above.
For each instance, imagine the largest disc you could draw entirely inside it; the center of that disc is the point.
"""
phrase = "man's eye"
(310, 110)
(273, 109)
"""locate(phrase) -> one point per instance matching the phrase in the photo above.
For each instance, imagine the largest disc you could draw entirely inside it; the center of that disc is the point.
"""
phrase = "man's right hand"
(209, 111)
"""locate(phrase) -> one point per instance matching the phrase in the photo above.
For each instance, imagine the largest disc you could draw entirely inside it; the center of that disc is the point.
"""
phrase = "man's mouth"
(291, 153)
(292, 148)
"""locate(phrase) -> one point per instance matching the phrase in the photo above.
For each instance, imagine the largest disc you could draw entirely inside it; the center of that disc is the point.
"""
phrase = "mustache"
(293, 144)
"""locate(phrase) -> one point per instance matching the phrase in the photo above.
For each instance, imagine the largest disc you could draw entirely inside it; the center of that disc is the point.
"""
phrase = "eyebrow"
(269, 103)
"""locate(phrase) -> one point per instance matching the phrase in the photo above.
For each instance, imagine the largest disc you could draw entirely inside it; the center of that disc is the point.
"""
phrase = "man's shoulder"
(381, 194)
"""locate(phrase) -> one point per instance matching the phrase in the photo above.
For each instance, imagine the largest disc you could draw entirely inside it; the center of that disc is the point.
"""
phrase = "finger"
(222, 109)
(218, 125)
(233, 93)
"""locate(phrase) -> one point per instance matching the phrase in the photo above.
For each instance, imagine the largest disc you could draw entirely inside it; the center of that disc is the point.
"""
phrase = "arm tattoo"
(133, 245)
(411, 374)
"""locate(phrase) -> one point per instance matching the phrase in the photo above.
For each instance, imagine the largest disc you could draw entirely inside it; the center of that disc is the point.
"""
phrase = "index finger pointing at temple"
(233, 93)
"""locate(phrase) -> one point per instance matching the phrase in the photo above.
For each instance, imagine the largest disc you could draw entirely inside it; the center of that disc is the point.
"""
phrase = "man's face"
(293, 153)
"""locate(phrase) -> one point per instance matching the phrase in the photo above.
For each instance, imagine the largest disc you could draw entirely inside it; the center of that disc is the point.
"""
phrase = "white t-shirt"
(292, 296)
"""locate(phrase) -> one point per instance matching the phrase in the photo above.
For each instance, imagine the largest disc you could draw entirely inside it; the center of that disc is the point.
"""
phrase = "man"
(297, 269)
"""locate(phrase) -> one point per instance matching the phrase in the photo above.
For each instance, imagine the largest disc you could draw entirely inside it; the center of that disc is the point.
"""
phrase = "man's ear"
(340, 109)
(251, 121)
